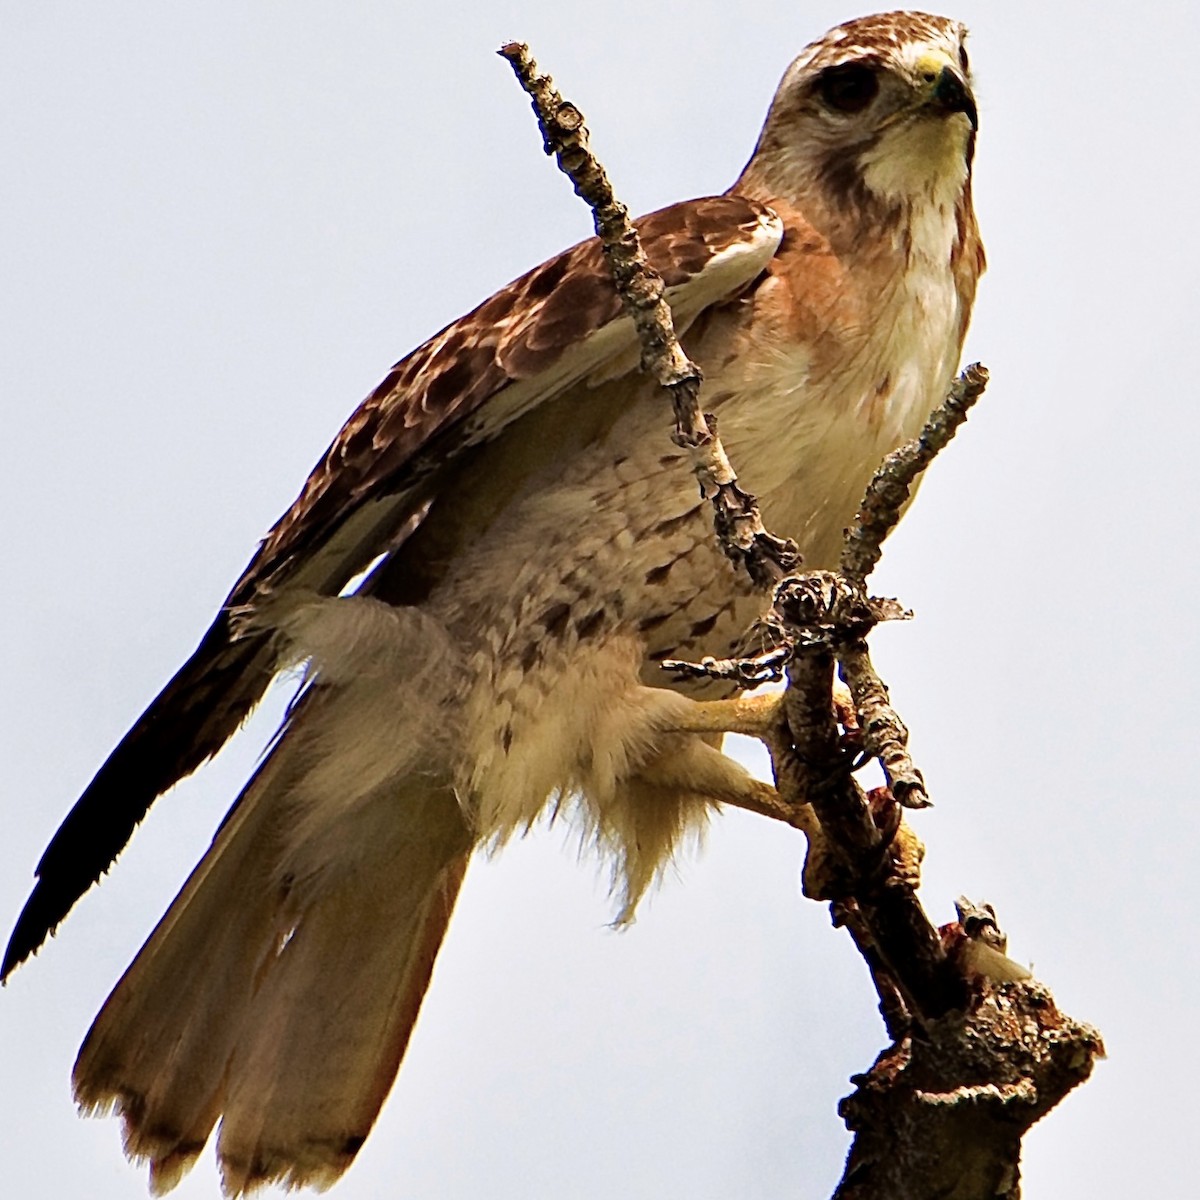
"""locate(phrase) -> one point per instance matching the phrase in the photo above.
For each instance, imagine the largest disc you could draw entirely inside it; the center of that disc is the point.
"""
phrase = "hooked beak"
(951, 95)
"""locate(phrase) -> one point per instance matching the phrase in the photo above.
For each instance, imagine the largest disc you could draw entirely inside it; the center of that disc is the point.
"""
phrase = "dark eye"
(848, 88)
(966, 62)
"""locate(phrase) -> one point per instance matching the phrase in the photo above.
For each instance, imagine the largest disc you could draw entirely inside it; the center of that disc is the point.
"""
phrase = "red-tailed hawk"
(533, 546)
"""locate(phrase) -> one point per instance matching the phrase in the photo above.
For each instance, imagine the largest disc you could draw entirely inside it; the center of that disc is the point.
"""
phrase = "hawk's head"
(878, 116)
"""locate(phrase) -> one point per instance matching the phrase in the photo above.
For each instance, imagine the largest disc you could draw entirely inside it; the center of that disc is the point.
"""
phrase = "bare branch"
(884, 735)
(745, 672)
(736, 517)
(891, 486)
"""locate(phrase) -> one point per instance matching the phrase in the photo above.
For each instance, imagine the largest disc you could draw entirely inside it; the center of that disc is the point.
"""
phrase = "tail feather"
(331, 1025)
(158, 1049)
(190, 720)
(285, 1018)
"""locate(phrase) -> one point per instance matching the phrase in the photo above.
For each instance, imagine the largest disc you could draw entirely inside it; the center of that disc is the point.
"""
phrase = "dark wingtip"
(35, 924)
(67, 871)
(86, 844)
(188, 723)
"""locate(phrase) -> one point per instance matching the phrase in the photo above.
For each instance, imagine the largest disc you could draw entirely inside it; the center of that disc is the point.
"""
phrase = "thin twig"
(748, 672)
(766, 558)
(884, 735)
(892, 483)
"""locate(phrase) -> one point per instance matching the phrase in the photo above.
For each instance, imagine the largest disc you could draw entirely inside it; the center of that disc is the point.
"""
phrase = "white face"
(884, 103)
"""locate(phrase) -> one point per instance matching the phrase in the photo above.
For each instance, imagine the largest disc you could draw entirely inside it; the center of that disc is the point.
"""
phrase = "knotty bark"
(942, 1113)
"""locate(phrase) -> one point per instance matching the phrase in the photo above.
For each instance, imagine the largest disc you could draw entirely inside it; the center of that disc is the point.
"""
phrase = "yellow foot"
(757, 715)
(763, 799)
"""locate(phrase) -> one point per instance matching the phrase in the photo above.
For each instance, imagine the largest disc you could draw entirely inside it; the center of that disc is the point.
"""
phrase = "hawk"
(481, 576)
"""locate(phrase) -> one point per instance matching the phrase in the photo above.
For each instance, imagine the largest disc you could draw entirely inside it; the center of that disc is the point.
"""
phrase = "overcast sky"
(221, 224)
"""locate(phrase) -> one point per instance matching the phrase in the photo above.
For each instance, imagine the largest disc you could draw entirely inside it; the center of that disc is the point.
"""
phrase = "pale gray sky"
(222, 222)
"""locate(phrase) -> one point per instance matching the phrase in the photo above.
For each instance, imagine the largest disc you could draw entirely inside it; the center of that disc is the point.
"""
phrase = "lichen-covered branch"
(751, 672)
(736, 517)
(884, 735)
(891, 485)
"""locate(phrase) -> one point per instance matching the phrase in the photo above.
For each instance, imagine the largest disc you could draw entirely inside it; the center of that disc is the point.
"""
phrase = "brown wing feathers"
(518, 333)
(411, 426)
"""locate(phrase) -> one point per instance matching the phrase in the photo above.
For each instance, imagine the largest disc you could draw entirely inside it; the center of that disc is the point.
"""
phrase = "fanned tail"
(282, 1008)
